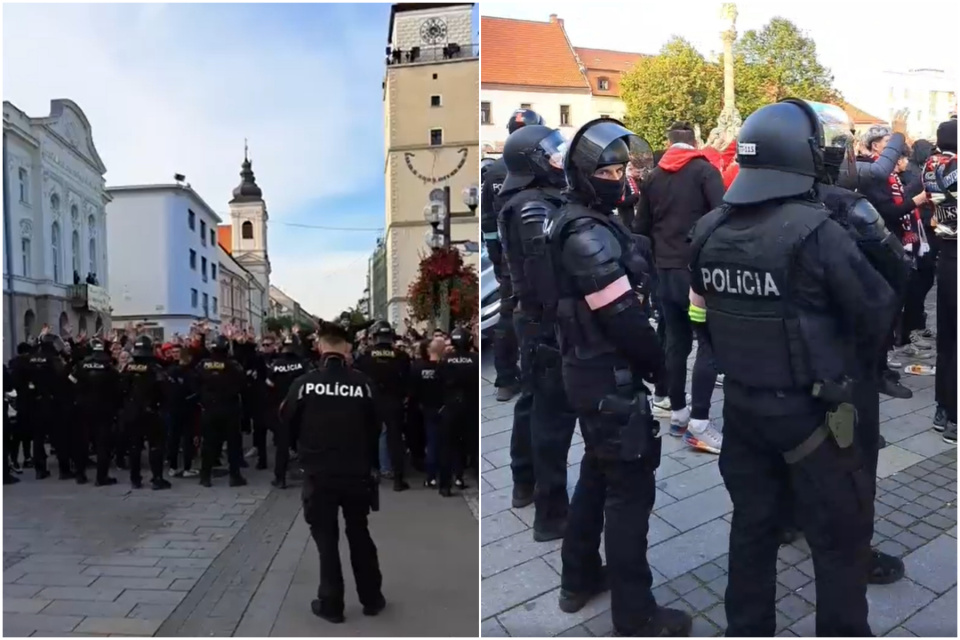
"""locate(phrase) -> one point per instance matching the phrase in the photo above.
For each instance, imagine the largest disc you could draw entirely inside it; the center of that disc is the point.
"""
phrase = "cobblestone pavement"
(916, 520)
(80, 560)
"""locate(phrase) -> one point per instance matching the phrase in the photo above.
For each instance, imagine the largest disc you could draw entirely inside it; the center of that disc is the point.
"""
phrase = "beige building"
(431, 136)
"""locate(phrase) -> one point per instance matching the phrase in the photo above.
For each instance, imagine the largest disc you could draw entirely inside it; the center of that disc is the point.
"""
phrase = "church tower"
(248, 213)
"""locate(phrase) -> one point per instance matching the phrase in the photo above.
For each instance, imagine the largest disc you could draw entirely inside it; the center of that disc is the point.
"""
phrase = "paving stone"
(886, 528)
(659, 531)
(145, 596)
(123, 572)
(893, 548)
(936, 520)
(808, 592)
(698, 509)
(944, 494)
(493, 503)
(105, 582)
(669, 467)
(38, 622)
(937, 619)
(934, 565)
(186, 563)
(900, 632)
(901, 519)
(498, 458)
(152, 611)
(23, 605)
(691, 482)
(89, 608)
(925, 444)
(183, 584)
(120, 626)
(683, 584)
(916, 509)
(806, 567)
(708, 572)
(578, 631)
(601, 625)
(718, 616)
(542, 616)
(21, 590)
(512, 551)
(700, 598)
(123, 560)
(156, 554)
(805, 627)
(684, 553)
(791, 555)
(664, 595)
(498, 526)
(907, 493)
(893, 459)
(499, 478)
(491, 628)
(56, 579)
(98, 594)
(922, 486)
(909, 540)
(895, 602)
(792, 579)
(718, 585)
(794, 607)
(514, 586)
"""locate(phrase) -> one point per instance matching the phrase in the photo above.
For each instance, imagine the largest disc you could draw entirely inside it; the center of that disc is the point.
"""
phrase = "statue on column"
(729, 122)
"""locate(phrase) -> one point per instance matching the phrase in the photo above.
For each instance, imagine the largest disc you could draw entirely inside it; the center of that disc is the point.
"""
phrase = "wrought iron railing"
(439, 53)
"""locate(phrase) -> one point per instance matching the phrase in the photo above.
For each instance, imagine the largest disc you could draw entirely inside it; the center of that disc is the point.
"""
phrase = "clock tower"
(248, 214)
(431, 95)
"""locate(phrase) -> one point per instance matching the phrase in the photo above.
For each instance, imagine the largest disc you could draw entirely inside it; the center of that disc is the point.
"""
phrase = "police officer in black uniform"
(143, 384)
(608, 349)
(505, 354)
(98, 390)
(389, 369)
(543, 420)
(791, 302)
(282, 370)
(335, 413)
(45, 390)
(221, 381)
(460, 376)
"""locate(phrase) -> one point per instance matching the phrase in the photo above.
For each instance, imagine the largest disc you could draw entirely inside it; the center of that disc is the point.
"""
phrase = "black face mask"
(557, 178)
(609, 192)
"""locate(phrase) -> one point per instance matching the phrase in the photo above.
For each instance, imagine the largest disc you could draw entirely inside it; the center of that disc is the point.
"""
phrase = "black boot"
(375, 608)
(105, 482)
(446, 492)
(136, 483)
(522, 496)
(400, 485)
(665, 623)
(571, 602)
(159, 483)
(9, 479)
(329, 616)
(279, 483)
(81, 478)
(238, 481)
(548, 531)
(884, 568)
(42, 474)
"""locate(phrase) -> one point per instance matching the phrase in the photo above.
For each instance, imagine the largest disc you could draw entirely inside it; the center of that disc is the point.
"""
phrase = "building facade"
(432, 142)
(56, 266)
(377, 276)
(164, 270)
(283, 305)
(929, 95)
(241, 295)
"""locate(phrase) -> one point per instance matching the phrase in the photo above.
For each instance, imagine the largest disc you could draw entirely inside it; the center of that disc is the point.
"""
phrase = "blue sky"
(177, 88)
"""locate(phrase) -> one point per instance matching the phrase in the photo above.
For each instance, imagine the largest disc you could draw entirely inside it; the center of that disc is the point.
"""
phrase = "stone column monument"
(729, 122)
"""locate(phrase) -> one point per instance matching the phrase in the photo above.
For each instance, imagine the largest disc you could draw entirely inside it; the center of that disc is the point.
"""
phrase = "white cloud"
(164, 95)
(324, 285)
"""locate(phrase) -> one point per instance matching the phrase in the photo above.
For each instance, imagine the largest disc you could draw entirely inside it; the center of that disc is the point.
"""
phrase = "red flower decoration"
(444, 265)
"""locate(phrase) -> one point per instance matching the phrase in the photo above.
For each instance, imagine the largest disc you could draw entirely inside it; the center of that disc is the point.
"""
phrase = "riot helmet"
(382, 333)
(50, 344)
(601, 144)
(97, 346)
(534, 154)
(460, 338)
(839, 157)
(143, 347)
(780, 153)
(947, 135)
(221, 345)
(485, 164)
(523, 117)
(289, 346)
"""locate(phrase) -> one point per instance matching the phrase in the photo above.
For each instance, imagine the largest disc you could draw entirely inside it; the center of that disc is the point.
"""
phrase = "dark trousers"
(180, 430)
(139, 427)
(505, 341)
(260, 428)
(704, 376)
(322, 503)
(431, 423)
(921, 281)
(674, 290)
(521, 438)
(946, 381)
(414, 432)
(281, 441)
(391, 413)
(455, 417)
(96, 424)
(47, 420)
(614, 498)
(215, 428)
(833, 492)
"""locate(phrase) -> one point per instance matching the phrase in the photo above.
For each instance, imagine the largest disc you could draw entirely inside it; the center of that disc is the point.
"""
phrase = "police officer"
(45, 391)
(221, 381)
(98, 389)
(505, 339)
(282, 370)
(791, 302)
(389, 369)
(459, 373)
(543, 421)
(608, 348)
(334, 411)
(143, 384)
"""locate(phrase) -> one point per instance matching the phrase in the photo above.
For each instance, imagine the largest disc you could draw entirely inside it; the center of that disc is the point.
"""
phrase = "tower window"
(434, 101)
(485, 113)
(436, 137)
(246, 230)
(23, 185)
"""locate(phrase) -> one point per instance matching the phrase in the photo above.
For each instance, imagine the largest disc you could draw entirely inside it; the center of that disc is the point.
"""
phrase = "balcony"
(429, 55)
(89, 297)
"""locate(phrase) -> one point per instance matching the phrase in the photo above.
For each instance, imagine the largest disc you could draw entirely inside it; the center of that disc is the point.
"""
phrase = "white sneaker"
(917, 339)
(703, 436)
(190, 473)
(679, 421)
(719, 382)
(175, 473)
(250, 454)
(662, 407)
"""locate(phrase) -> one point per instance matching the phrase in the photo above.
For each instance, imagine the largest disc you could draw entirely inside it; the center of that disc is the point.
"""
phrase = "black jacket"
(678, 192)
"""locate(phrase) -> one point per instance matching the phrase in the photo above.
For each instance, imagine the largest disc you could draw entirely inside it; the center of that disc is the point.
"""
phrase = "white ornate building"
(54, 224)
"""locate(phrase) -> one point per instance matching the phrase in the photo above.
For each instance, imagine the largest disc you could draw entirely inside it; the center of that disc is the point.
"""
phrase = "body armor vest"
(578, 333)
(746, 272)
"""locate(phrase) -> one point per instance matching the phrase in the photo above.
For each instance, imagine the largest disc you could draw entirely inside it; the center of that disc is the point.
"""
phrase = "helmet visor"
(837, 142)
(552, 149)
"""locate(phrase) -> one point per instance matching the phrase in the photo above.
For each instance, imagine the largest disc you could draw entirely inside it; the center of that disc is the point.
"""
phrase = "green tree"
(677, 84)
(778, 62)
(279, 324)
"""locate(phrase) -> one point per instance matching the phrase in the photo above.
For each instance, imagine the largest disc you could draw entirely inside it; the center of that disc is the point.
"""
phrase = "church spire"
(247, 190)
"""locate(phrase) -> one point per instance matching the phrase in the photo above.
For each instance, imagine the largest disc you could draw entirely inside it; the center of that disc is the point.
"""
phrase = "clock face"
(433, 31)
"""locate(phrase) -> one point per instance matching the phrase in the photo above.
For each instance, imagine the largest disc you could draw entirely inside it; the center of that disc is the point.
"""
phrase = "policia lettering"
(739, 282)
(335, 390)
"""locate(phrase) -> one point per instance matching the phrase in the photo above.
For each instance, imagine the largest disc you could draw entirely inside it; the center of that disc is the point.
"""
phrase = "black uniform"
(543, 422)
(426, 392)
(460, 376)
(98, 390)
(221, 381)
(335, 414)
(608, 348)
(182, 409)
(282, 370)
(143, 384)
(44, 392)
(253, 397)
(791, 303)
(389, 369)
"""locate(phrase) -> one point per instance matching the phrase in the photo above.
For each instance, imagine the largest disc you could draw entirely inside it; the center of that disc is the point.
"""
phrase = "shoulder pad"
(862, 212)
(536, 211)
(590, 245)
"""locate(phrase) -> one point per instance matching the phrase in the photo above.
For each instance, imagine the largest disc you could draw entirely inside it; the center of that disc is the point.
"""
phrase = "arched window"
(93, 256)
(64, 323)
(246, 230)
(75, 247)
(55, 250)
(74, 213)
(29, 320)
(98, 327)
(82, 324)
(54, 202)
